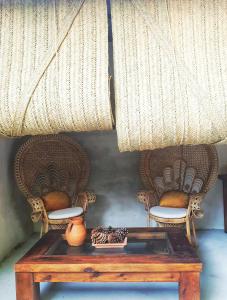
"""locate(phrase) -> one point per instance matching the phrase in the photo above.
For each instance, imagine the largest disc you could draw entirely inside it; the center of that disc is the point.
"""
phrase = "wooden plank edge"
(90, 268)
(107, 277)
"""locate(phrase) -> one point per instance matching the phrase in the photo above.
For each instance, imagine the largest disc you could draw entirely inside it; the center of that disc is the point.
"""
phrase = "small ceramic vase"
(76, 232)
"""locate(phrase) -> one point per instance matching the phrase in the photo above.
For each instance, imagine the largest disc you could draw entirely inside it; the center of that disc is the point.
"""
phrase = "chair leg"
(194, 232)
(41, 231)
(188, 230)
(148, 220)
(46, 226)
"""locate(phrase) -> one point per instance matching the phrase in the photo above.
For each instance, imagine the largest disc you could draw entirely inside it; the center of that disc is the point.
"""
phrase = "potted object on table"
(76, 231)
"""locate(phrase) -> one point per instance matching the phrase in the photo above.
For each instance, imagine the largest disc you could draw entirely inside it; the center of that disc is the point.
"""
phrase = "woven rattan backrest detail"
(50, 179)
(179, 177)
(51, 162)
(198, 164)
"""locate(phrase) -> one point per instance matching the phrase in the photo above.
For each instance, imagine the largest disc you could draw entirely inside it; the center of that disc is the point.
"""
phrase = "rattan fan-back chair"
(190, 169)
(51, 163)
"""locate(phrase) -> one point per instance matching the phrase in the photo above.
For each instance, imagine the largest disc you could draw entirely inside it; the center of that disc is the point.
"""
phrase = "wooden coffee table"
(152, 254)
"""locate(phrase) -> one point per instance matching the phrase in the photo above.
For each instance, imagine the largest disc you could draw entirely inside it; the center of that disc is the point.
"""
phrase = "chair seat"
(65, 213)
(168, 212)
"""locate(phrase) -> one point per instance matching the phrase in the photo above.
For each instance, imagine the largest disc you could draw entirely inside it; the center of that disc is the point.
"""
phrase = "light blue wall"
(115, 180)
(213, 203)
(15, 224)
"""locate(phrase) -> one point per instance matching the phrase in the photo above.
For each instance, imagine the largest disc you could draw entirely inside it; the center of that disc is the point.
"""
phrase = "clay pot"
(76, 232)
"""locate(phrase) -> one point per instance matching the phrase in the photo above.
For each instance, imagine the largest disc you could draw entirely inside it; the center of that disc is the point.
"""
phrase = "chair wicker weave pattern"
(191, 169)
(202, 158)
(170, 181)
(52, 163)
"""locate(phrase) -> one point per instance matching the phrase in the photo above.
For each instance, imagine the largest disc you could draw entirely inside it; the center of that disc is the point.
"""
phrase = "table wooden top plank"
(184, 257)
(110, 267)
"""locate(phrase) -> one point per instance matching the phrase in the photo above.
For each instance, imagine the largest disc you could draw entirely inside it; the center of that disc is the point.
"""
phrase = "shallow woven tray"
(111, 245)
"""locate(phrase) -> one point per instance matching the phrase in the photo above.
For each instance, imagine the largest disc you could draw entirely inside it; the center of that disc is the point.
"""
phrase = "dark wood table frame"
(224, 179)
(183, 266)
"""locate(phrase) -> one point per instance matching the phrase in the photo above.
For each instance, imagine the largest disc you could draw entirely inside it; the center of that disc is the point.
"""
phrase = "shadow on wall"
(97, 212)
(222, 156)
(21, 206)
(15, 223)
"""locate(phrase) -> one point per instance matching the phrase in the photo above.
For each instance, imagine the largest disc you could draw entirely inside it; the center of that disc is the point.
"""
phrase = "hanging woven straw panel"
(53, 67)
(170, 61)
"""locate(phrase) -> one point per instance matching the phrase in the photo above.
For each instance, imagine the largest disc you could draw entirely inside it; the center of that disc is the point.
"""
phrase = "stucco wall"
(115, 180)
(15, 224)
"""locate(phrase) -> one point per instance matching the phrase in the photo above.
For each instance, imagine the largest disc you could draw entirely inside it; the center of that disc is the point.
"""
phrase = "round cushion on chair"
(168, 212)
(56, 200)
(65, 213)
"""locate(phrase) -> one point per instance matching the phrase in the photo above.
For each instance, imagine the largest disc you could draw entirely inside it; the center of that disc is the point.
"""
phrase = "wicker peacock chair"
(190, 170)
(52, 164)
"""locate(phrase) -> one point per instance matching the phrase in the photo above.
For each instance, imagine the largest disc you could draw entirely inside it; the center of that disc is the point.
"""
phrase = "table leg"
(189, 286)
(26, 288)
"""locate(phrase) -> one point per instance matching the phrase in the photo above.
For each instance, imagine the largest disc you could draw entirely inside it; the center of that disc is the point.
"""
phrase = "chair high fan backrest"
(191, 169)
(51, 163)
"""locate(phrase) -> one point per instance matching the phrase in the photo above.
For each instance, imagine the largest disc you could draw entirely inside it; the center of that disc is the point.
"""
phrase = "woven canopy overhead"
(170, 65)
(53, 67)
(170, 68)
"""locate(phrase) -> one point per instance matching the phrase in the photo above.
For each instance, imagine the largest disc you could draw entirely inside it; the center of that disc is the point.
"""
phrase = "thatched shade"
(53, 67)
(170, 65)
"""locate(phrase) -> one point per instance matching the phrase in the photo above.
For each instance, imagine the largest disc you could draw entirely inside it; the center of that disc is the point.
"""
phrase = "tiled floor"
(212, 251)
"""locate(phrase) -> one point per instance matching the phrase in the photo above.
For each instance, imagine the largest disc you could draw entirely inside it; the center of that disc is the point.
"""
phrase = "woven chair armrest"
(194, 205)
(148, 198)
(84, 199)
(38, 209)
(91, 197)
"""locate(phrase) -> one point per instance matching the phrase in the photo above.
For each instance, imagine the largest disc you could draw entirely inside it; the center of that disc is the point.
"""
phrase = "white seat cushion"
(168, 212)
(65, 213)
